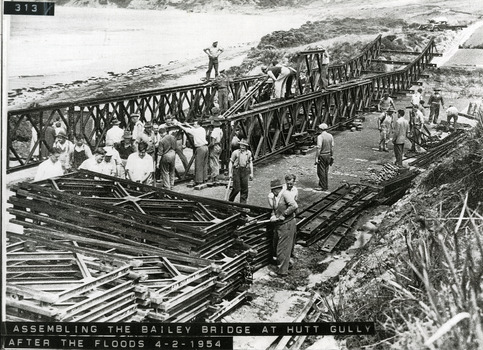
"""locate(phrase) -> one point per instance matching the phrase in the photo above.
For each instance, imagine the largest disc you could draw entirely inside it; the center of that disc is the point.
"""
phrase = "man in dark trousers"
(324, 156)
(167, 157)
(401, 129)
(213, 52)
(240, 170)
(222, 83)
(434, 102)
(283, 207)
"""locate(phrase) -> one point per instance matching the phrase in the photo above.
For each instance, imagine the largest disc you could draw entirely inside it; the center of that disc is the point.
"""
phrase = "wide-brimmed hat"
(391, 110)
(115, 122)
(61, 133)
(275, 184)
(109, 152)
(243, 142)
(148, 125)
(127, 135)
(216, 122)
(100, 151)
(323, 126)
(437, 89)
(135, 115)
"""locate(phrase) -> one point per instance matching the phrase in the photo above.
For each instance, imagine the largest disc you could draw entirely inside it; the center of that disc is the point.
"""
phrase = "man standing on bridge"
(213, 52)
(324, 157)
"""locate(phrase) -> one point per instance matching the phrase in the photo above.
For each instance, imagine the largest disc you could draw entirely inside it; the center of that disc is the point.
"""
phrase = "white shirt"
(116, 158)
(199, 135)
(416, 98)
(47, 169)
(452, 111)
(115, 134)
(217, 134)
(139, 168)
(293, 192)
(91, 164)
(138, 130)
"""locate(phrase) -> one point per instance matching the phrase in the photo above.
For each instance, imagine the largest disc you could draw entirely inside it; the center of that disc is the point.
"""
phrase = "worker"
(149, 138)
(95, 163)
(384, 125)
(416, 121)
(137, 127)
(213, 53)
(222, 83)
(417, 97)
(50, 168)
(65, 147)
(324, 157)
(81, 151)
(139, 166)
(280, 76)
(200, 151)
(109, 164)
(169, 123)
(49, 138)
(115, 133)
(115, 156)
(167, 158)
(235, 141)
(401, 129)
(125, 149)
(385, 103)
(215, 149)
(325, 69)
(283, 207)
(240, 170)
(435, 102)
(451, 113)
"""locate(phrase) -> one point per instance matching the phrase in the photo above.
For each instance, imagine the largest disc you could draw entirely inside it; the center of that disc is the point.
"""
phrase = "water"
(79, 43)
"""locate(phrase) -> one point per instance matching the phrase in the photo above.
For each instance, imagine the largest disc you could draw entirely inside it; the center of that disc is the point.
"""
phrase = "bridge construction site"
(88, 247)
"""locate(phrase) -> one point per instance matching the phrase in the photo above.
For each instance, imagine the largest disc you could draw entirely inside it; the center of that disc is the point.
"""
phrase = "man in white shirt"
(50, 167)
(416, 98)
(323, 156)
(95, 163)
(213, 52)
(451, 113)
(200, 151)
(215, 149)
(115, 133)
(137, 127)
(140, 166)
(66, 149)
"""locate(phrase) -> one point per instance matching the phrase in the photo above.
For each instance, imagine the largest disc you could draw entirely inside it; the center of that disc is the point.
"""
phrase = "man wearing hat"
(167, 158)
(401, 129)
(324, 156)
(240, 169)
(95, 163)
(283, 207)
(385, 103)
(115, 133)
(384, 125)
(149, 137)
(434, 102)
(416, 121)
(213, 52)
(65, 147)
(109, 165)
(222, 83)
(125, 148)
(215, 149)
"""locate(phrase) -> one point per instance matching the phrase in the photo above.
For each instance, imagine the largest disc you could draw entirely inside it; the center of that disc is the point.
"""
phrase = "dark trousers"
(167, 168)
(201, 164)
(212, 63)
(223, 99)
(240, 184)
(398, 152)
(434, 113)
(184, 160)
(283, 241)
(323, 171)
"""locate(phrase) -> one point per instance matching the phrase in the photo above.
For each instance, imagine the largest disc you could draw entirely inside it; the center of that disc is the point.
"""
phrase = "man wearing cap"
(137, 127)
(139, 166)
(324, 156)
(95, 163)
(125, 148)
(401, 129)
(215, 149)
(434, 102)
(222, 82)
(200, 151)
(109, 166)
(65, 147)
(81, 151)
(213, 52)
(50, 167)
(240, 169)
(283, 207)
(115, 133)
(385, 103)
(384, 125)
(167, 158)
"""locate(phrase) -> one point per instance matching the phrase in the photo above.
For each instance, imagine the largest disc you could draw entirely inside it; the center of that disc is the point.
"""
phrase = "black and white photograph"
(242, 174)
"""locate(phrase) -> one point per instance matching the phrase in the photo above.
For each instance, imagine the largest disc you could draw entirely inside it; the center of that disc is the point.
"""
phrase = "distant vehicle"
(439, 24)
